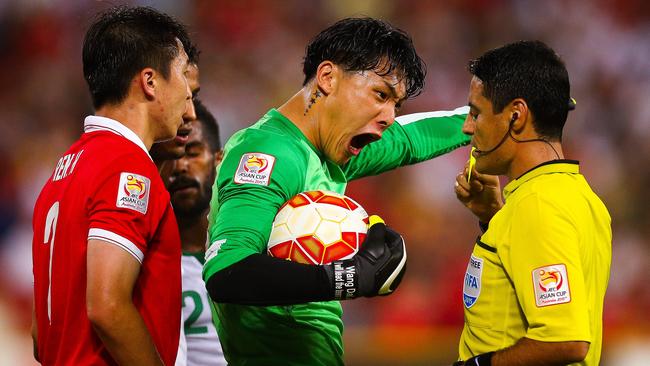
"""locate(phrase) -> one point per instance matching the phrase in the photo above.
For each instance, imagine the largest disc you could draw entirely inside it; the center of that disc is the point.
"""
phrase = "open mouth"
(358, 142)
(183, 133)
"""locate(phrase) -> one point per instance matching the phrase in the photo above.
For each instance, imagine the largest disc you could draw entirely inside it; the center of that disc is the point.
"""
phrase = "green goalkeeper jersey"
(263, 167)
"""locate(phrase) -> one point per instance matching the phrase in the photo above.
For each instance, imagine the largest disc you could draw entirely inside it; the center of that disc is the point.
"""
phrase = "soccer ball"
(318, 227)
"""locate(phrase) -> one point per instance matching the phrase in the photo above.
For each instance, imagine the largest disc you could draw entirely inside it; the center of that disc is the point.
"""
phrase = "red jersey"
(105, 187)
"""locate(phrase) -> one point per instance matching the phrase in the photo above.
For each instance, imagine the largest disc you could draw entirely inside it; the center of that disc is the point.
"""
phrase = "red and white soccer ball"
(318, 227)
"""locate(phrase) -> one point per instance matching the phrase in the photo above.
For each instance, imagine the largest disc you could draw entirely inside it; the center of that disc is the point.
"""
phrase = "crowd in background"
(251, 61)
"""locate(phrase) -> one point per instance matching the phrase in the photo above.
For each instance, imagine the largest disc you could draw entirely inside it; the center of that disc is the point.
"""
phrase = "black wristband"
(484, 359)
(345, 279)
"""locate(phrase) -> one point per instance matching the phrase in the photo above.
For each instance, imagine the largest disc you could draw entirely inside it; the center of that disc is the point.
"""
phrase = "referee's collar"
(553, 166)
(97, 123)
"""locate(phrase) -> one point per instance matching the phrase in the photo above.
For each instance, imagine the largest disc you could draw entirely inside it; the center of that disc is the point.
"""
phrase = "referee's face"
(489, 132)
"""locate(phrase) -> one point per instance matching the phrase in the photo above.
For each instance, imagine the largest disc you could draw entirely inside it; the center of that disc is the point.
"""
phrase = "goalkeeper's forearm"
(261, 280)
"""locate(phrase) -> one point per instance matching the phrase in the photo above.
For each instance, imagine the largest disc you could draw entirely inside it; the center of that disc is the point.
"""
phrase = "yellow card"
(472, 162)
(375, 219)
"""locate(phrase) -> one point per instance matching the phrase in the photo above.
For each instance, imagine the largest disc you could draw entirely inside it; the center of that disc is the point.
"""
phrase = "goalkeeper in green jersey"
(340, 126)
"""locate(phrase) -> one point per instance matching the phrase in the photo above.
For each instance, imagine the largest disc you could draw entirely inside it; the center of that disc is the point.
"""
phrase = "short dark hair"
(191, 49)
(360, 44)
(124, 40)
(532, 71)
(209, 124)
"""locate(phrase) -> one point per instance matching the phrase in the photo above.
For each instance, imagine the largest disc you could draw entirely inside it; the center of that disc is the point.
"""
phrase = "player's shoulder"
(262, 163)
(542, 205)
(109, 150)
(111, 159)
(267, 139)
(253, 156)
(267, 136)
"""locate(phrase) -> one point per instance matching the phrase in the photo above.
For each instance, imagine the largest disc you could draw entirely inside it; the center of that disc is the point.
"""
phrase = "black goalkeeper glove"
(377, 269)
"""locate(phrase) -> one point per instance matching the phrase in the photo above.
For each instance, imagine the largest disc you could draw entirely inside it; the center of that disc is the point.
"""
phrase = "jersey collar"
(553, 166)
(200, 256)
(97, 123)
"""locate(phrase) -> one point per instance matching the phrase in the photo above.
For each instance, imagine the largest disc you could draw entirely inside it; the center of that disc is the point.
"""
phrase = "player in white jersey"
(189, 181)
(203, 347)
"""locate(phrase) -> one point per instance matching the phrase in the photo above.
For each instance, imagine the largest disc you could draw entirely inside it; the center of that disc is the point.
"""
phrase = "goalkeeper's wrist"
(344, 279)
(484, 359)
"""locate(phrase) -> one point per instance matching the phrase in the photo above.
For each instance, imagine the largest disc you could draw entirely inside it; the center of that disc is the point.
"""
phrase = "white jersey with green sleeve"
(203, 346)
(263, 167)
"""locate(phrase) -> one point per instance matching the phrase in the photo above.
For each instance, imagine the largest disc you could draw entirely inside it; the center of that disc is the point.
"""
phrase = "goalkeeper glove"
(377, 268)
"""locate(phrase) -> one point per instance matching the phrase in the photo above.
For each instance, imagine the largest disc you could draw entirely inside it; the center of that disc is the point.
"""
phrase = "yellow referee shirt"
(541, 269)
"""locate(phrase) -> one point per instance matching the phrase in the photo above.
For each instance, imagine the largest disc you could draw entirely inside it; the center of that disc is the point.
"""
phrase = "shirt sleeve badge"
(255, 168)
(551, 285)
(472, 284)
(133, 192)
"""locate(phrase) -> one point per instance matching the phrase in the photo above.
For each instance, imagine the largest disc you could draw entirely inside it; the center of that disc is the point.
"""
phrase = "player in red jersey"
(106, 248)
(167, 151)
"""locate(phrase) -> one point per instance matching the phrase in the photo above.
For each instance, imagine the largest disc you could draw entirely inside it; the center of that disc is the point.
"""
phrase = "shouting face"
(360, 107)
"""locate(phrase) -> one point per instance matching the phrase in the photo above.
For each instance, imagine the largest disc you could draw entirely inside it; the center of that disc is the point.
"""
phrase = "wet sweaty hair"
(532, 71)
(124, 40)
(361, 44)
(209, 124)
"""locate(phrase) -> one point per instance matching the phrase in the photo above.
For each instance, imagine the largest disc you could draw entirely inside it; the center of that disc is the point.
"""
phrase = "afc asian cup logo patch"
(133, 192)
(472, 285)
(256, 164)
(135, 186)
(551, 285)
(255, 168)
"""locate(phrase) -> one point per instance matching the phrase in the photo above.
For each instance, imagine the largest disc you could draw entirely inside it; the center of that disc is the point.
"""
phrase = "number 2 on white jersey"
(48, 238)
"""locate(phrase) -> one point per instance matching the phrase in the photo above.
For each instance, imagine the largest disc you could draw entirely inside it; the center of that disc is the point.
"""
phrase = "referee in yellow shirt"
(536, 278)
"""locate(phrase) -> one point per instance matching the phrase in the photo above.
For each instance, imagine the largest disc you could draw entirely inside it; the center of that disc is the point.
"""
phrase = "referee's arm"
(531, 352)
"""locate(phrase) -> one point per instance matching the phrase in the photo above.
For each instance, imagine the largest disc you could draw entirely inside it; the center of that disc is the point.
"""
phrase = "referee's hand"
(482, 194)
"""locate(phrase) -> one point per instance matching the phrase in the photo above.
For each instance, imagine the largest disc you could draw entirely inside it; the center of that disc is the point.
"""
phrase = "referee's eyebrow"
(474, 107)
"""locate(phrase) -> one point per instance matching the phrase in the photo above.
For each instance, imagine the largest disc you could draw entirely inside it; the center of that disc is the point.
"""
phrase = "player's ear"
(147, 81)
(327, 75)
(218, 156)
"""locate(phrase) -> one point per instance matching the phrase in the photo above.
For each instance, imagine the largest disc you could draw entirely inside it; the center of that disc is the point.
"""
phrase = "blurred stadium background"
(251, 61)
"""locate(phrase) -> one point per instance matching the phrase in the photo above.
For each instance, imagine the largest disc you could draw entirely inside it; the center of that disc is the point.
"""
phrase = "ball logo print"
(135, 187)
(256, 164)
(550, 280)
(318, 227)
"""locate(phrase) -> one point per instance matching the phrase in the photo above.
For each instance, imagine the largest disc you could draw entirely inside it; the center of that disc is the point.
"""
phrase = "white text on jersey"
(65, 166)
